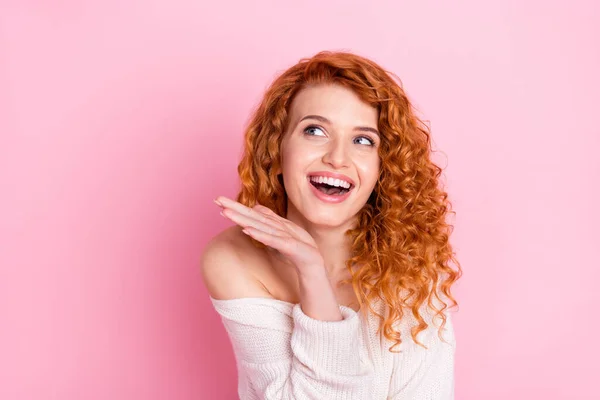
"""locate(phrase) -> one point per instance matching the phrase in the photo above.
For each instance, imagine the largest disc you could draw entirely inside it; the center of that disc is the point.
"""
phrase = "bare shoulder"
(228, 265)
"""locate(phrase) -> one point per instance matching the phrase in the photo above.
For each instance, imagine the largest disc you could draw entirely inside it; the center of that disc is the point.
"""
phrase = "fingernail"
(246, 232)
(223, 215)
(218, 203)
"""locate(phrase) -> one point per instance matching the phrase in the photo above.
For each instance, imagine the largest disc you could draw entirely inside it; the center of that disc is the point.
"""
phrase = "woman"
(335, 281)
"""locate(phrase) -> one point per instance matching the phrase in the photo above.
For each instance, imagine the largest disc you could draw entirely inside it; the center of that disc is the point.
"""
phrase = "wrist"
(317, 297)
(314, 282)
(313, 272)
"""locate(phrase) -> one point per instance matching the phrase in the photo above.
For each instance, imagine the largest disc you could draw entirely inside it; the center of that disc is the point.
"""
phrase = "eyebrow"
(325, 120)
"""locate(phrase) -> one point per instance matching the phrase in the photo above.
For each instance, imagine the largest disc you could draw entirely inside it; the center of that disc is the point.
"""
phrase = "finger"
(227, 203)
(284, 244)
(248, 221)
(299, 232)
(266, 210)
(289, 249)
(268, 213)
(272, 214)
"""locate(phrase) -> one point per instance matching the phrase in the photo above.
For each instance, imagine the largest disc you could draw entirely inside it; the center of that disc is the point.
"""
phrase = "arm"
(295, 247)
(425, 374)
(281, 357)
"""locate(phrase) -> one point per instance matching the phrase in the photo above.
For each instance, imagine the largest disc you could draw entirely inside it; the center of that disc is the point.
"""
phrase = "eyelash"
(318, 127)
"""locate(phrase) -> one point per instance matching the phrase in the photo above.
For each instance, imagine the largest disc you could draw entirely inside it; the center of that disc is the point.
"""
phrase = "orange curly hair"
(402, 237)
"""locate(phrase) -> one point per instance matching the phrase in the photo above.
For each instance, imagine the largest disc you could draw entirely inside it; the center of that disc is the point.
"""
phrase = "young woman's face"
(329, 154)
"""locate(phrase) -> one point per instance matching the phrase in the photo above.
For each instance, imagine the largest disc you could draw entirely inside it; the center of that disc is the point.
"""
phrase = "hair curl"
(401, 240)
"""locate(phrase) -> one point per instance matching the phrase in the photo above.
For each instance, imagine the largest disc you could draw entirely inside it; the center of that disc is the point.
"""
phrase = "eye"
(366, 140)
(310, 130)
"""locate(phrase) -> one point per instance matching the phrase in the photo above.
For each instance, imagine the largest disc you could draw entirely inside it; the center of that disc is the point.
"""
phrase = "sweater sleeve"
(425, 374)
(281, 353)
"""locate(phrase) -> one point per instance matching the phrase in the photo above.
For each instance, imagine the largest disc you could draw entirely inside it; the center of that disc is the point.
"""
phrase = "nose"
(337, 155)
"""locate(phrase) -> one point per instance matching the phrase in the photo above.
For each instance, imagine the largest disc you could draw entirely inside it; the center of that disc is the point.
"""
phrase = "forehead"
(338, 104)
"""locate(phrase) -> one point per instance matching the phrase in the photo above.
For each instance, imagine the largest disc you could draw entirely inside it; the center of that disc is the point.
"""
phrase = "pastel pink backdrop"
(121, 121)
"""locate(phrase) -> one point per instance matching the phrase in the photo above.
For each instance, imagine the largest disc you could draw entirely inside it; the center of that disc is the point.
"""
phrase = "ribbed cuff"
(332, 346)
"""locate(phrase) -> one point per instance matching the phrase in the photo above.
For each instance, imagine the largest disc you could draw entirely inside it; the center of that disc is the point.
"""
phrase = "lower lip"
(327, 198)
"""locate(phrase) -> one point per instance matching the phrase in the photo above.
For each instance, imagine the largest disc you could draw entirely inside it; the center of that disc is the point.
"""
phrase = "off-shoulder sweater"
(281, 353)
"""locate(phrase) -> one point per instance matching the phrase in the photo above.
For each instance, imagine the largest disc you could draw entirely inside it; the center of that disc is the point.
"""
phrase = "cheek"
(286, 157)
(288, 162)
(297, 159)
(369, 171)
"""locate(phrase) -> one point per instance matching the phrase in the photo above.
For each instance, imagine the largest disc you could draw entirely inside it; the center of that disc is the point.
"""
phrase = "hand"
(261, 223)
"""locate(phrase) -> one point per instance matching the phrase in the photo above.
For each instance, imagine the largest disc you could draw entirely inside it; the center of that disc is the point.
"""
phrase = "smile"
(329, 189)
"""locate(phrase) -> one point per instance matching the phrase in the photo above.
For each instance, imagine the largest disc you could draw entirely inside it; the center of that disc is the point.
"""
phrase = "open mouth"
(330, 190)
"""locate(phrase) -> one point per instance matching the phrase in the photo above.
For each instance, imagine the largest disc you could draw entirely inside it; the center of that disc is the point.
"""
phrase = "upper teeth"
(331, 181)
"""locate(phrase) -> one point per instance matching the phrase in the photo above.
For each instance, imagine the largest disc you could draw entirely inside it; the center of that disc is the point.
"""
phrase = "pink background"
(120, 121)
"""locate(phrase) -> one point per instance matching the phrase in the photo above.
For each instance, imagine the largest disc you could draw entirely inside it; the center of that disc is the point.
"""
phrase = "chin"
(317, 213)
(327, 218)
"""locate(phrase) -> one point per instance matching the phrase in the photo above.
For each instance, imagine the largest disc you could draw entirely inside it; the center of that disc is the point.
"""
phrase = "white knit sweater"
(281, 353)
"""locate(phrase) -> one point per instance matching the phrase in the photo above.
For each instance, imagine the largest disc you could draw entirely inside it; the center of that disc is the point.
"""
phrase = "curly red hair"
(401, 240)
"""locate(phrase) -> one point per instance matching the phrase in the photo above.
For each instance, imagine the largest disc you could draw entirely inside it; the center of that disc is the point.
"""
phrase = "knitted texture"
(281, 353)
